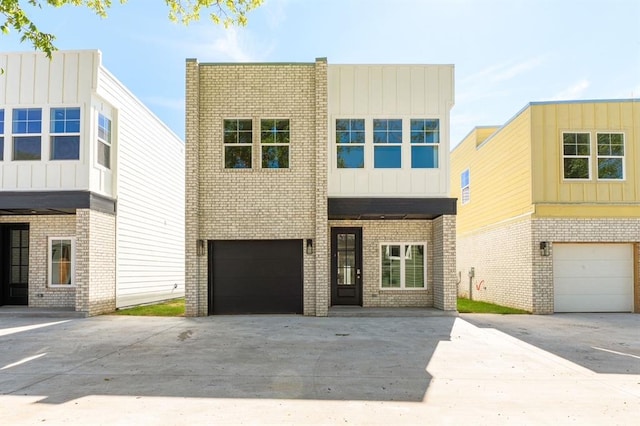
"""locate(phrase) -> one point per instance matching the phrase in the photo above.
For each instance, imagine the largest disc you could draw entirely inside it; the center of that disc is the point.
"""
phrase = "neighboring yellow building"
(549, 208)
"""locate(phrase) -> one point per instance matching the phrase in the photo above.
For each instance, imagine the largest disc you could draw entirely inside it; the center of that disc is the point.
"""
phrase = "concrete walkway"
(297, 370)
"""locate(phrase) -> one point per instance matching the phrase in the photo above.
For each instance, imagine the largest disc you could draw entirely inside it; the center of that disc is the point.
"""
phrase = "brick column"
(195, 303)
(322, 229)
(444, 263)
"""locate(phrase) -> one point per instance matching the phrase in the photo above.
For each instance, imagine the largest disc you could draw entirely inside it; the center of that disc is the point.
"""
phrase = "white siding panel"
(390, 91)
(418, 90)
(403, 86)
(149, 167)
(53, 179)
(346, 91)
(70, 82)
(56, 77)
(27, 79)
(12, 76)
(34, 81)
(376, 98)
(42, 76)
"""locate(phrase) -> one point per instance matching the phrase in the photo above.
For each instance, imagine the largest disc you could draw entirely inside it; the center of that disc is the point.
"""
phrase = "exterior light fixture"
(309, 246)
(544, 248)
(200, 250)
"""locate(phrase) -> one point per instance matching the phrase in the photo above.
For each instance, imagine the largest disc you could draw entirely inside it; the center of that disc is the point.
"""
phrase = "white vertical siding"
(390, 91)
(31, 80)
(148, 161)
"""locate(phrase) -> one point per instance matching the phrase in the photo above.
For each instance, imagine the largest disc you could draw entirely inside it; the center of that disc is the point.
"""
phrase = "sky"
(506, 53)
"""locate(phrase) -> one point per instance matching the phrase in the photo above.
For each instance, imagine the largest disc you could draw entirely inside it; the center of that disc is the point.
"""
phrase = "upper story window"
(65, 133)
(104, 141)
(350, 143)
(238, 139)
(27, 122)
(610, 155)
(576, 152)
(387, 144)
(1, 134)
(425, 137)
(402, 266)
(274, 138)
(465, 190)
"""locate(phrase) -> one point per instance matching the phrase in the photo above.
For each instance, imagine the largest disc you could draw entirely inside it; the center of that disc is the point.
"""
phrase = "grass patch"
(170, 308)
(466, 306)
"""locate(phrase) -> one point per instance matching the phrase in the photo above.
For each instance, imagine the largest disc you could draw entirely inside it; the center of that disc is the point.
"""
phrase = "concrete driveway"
(483, 369)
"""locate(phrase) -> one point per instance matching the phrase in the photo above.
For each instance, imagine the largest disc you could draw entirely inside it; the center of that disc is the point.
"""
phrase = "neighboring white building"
(91, 188)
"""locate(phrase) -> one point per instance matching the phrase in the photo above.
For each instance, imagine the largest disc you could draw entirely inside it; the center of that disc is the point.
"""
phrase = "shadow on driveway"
(607, 343)
(271, 357)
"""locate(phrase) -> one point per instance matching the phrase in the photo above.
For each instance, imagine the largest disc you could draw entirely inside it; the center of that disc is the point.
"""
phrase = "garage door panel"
(255, 276)
(593, 277)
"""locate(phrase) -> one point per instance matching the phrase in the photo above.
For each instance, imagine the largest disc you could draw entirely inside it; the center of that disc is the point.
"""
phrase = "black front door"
(346, 266)
(14, 264)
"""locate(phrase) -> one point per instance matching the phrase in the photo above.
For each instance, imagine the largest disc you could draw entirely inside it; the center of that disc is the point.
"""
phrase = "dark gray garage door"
(255, 277)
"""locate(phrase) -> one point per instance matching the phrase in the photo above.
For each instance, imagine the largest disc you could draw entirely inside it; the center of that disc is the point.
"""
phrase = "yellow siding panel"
(549, 121)
(500, 174)
(587, 211)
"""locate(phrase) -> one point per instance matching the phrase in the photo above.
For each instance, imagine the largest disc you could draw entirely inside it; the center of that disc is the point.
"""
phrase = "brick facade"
(271, 204)
(509, 269)
(94, 233)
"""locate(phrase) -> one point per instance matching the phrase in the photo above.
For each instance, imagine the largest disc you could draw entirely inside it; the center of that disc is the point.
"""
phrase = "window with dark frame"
(275, 136)
(27, 122)
(237, 141)
(65, 133)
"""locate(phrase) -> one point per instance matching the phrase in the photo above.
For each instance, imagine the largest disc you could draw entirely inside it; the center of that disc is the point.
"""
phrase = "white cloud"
(572, 92)
(169, 103)
(514, 70)
(503, 71)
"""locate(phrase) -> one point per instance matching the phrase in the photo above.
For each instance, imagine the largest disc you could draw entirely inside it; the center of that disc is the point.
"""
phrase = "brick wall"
(444, 263)
(376, 232)
(232, 204)
(96, 260)
(509, 269)
(40, 229)
(502, 258)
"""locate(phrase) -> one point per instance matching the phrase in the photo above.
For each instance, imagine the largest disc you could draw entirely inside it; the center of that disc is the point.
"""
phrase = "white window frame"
(264, 145)
(53, 134)
(3, 123)
(238, 144)
(365, 122)
(50, 262)
(387, 144)
(108, 143)
(14, 135)
(465, 190)
(588, 157)
(621, 157)
(403, 257)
